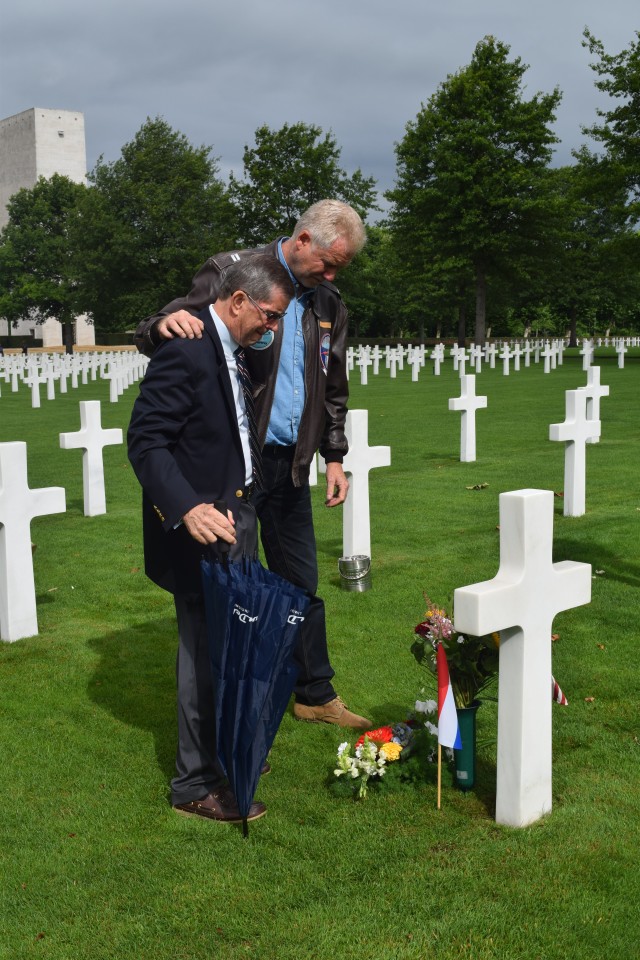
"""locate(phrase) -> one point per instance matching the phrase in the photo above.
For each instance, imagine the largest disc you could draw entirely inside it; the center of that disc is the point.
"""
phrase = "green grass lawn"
(94, 864)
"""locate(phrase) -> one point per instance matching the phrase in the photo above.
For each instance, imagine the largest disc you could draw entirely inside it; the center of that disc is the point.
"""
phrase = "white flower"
(426, 706)
(431, 728)
(341, 749)
(461, 639)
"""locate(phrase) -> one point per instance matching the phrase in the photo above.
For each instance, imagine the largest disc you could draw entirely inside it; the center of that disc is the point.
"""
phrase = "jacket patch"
(325, 345)
(265, 341)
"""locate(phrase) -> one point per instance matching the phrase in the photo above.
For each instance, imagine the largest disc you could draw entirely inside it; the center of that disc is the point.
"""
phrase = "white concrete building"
(38, 143)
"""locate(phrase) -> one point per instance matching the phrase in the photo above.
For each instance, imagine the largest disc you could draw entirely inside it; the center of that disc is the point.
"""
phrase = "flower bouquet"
(473, 661)
(399, 754)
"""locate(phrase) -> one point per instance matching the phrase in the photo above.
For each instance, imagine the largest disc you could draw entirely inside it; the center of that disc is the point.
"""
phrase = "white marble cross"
(575, 431)
(376, 354)
(490, 354)
(49, 376)
(505, 356)
(594, 391)
(468, 403)
(18, 506)
(33, 379)
(437, 356)
(91, 439)
(587, 353)
(364, 362)
(548, 353)
(517, 353)
(621, 350)
(475, 357)
(361, 458)
(521, 602)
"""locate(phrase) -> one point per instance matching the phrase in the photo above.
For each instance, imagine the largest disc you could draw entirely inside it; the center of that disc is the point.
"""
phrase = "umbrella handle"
(221, 547)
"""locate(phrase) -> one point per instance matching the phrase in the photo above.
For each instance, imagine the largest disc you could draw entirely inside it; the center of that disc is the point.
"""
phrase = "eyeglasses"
(271, 316)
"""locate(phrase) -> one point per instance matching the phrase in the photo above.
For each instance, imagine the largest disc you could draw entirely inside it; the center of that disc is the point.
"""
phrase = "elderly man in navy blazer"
(190, 445)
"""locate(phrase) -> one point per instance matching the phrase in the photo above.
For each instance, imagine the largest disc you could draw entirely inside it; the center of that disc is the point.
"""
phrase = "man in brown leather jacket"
(301, 390)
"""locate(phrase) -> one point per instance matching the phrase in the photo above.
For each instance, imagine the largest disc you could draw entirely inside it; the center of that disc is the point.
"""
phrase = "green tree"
(284, 173)
(596, 272)
(146, 224)
(370, 287)
(619, 131)
(471, 200)
(36, 281)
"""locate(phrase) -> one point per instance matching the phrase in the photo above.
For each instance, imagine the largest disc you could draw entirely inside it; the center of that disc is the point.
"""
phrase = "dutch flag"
(448, 729)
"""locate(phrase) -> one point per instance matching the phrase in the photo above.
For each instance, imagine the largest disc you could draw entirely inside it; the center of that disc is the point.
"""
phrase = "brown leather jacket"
(324, 325)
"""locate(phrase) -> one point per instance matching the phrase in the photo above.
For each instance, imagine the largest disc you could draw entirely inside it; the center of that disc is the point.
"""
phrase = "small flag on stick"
(557, 694)
(448, 729)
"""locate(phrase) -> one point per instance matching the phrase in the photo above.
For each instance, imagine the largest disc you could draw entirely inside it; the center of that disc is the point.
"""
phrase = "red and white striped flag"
(557, 694)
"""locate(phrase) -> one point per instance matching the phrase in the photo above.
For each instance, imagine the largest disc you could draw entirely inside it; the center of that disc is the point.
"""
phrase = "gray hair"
(327, 220)
(257, 274)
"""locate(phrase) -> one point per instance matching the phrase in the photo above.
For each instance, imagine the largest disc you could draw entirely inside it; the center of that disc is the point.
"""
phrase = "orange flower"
(380, 735)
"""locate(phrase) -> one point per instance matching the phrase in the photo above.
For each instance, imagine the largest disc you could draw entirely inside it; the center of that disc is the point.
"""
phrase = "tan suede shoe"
(333, 712)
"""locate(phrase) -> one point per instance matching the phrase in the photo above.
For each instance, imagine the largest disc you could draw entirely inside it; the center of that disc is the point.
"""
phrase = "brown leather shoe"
(333, 712)
(220, 805)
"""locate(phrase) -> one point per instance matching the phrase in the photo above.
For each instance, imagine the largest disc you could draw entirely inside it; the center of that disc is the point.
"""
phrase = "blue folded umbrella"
(253, 619)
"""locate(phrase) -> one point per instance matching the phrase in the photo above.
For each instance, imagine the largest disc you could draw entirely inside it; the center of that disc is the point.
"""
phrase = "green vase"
(465, 759)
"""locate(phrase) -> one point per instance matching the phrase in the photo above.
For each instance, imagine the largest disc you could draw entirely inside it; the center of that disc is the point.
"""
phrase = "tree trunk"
(462, 325)
(67, 337)
(573, 322)
(481, 307)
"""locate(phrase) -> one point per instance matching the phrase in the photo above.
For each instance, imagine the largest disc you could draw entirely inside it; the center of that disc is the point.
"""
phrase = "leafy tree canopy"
(284, 173)
(619, 131)
(470, 197)
(146, 224)
(35, 279)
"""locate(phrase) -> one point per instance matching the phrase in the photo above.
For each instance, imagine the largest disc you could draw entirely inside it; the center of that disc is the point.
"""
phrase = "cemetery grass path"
(95, 865)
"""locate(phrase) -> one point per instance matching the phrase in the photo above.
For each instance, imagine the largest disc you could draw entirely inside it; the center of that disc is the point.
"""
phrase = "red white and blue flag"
(448, 729)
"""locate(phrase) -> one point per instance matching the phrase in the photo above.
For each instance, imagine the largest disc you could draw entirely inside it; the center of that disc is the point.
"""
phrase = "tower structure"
(38, 143)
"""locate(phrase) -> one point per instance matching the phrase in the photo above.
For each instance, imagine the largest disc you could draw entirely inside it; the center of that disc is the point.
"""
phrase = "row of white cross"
(581, 426)
(550, 352)
(35, 370)
(19, 505)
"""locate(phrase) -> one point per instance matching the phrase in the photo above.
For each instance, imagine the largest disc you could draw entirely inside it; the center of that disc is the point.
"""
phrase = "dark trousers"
(197, 769)
(289, 543)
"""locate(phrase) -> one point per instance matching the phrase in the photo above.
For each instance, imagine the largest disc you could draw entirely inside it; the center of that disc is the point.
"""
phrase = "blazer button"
(239, 493)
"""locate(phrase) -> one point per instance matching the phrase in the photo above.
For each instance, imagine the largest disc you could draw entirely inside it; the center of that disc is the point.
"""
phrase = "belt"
(274, 451)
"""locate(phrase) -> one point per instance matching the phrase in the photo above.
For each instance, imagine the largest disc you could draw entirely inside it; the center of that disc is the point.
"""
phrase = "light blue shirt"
(288, 400)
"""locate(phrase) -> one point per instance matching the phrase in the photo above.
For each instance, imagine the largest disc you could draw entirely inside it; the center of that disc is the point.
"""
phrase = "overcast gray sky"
(216, 70)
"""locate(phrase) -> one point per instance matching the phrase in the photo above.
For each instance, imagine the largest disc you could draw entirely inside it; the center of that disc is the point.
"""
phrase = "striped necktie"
(254, 445)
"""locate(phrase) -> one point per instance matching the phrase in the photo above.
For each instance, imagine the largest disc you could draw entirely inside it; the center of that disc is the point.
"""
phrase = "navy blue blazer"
(184, 445)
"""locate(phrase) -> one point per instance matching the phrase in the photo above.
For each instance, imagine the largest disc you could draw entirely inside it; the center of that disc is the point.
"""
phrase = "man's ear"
(237, 298)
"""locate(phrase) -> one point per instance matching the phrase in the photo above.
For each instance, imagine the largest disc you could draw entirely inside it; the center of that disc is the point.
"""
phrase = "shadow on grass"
(615, 567)
(135, 682)
(330, 548)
